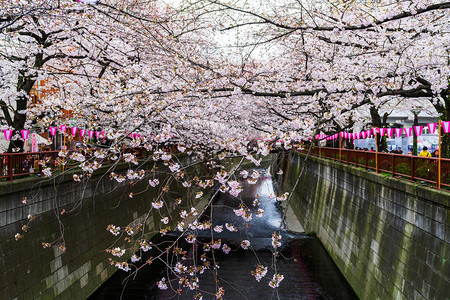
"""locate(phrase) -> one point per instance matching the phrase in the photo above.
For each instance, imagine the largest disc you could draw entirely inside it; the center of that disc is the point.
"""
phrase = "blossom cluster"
(276, 240)
(115, 230)
(275, 281)
(260, 272)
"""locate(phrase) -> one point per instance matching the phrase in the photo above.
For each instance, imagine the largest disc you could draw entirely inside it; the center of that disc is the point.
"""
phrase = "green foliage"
(386, 175)
(445, 178)
(426, 170)
(403, 168)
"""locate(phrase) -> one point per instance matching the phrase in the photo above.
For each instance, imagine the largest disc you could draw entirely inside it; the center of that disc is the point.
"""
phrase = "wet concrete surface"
(309, 272)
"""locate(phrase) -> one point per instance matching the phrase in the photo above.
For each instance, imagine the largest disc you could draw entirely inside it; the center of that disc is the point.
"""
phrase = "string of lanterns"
(385, 131)
(345, 135)
(53, 130)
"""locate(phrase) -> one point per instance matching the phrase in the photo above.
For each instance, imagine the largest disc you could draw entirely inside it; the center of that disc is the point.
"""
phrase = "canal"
(309, 272)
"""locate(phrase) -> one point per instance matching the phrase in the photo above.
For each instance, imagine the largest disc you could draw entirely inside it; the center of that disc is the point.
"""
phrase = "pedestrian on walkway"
(425, 152)
(435, 153)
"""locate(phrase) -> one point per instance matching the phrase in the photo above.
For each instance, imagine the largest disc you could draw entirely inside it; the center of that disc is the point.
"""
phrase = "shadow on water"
(309, 272)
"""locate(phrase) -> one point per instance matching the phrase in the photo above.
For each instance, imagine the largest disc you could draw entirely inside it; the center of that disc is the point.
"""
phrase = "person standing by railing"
(435, 153)
(26, 165)
(425, 152)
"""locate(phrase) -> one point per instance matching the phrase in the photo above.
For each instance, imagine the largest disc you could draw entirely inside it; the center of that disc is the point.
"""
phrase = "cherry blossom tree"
(347, 54)
(150, 74)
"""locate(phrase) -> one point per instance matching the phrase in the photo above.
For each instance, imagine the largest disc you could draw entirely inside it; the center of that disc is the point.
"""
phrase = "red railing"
(13, 165)
(407, 166)
(22, 164)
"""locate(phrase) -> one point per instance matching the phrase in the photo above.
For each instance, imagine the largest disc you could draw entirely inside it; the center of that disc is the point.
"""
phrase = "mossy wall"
(27, 271)
(389, 237)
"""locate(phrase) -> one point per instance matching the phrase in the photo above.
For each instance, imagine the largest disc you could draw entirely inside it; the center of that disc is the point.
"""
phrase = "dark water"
(309, 272)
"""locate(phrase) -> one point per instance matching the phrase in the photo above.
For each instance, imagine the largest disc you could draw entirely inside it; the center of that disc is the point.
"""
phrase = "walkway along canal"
(309, 273)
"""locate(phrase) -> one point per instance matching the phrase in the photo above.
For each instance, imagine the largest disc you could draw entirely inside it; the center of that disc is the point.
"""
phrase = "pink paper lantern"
(375, 130)
(74, 130)
(63, 128)
(432, 127)
(368, 133)
(363, 134)
(389, 132)
(418, 130)
(25, 134)
(446, 126)
(8, 134)
(408, 131)
(91, 134)
(398, 132)
(97, 134)
(382, 131)
(52, 130)
(82, 132)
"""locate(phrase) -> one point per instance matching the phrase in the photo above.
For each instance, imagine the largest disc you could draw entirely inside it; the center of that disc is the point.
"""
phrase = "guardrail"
(22, 164)
(427, 169)
(13, 165)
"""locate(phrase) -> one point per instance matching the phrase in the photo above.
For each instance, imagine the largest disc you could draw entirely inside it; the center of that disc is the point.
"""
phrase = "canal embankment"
(62, 253)
(389, 237)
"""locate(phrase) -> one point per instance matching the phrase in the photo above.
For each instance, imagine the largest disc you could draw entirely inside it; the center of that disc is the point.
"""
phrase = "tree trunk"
(377, 122)
(25, 84)
(445, 139)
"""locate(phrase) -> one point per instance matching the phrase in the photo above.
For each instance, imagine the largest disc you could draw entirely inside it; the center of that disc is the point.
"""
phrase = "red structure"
(413, 167)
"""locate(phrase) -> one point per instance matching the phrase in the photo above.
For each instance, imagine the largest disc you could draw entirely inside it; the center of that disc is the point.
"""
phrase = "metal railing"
(407, 166)
(19, 165)
(14, 165)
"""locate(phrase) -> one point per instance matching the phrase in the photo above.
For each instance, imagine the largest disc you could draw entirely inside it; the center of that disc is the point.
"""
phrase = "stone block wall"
(27, 271)
(389, 237)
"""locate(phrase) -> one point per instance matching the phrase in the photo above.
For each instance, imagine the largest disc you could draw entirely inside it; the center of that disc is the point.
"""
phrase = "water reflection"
(309, 271)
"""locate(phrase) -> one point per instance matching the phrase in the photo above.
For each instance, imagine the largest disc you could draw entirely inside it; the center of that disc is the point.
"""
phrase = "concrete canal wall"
(27, 271)
(389, 237)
